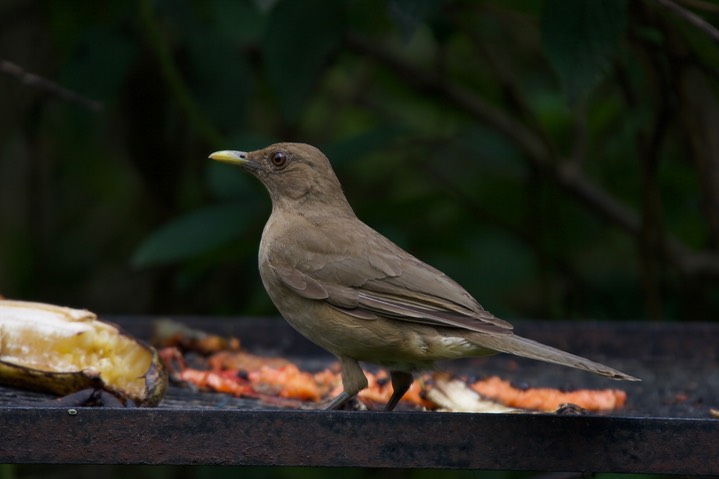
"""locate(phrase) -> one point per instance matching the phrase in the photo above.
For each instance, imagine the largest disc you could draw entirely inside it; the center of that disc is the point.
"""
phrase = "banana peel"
(62, 350)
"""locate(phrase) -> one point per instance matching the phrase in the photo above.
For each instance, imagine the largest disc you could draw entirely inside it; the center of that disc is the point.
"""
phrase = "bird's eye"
(279, 158)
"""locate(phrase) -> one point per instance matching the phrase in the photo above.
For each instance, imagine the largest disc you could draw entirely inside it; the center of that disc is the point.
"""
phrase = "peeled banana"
(62, 350)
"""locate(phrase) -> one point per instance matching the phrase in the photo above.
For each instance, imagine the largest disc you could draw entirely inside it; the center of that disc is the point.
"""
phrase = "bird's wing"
(366, 276)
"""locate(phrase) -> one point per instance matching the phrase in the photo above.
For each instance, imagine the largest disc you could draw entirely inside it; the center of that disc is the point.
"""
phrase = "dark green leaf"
(94, 73)
(581, 39)
(299, 38)
(197, 232)
(228, 182)
(239, 21)
(220, 79)
(408, 15)
(362, 144)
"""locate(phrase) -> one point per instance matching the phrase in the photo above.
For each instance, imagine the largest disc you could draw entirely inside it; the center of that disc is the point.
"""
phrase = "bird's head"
(295, 174)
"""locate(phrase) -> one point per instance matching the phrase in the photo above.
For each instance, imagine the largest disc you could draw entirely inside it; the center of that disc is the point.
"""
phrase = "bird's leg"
(337, 402)
(401, 381)
(353, 381)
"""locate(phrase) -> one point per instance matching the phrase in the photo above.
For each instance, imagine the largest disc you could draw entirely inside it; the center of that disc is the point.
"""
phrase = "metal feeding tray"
(666, 427)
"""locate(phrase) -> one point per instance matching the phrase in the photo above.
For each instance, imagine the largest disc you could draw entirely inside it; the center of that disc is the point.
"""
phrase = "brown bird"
(356, 294)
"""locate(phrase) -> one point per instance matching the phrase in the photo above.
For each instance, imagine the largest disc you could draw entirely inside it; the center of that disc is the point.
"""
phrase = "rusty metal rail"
(403, 439)
(665, 428)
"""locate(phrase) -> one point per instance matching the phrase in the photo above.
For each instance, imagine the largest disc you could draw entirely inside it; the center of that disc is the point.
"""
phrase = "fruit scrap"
(547, 399)
(167, 333)
(223, 382)
(62, 350)
(244, 374)
(454, 395)
(243, 361)
(379, 390)
(289, 382)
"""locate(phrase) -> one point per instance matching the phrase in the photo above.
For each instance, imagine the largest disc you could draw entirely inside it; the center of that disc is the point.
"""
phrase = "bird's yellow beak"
(227, 156)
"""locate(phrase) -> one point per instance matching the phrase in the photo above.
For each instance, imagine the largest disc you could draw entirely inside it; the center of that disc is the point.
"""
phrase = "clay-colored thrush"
(358, 295)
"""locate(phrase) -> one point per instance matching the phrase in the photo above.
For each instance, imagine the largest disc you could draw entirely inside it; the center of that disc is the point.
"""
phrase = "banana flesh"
(62, 350)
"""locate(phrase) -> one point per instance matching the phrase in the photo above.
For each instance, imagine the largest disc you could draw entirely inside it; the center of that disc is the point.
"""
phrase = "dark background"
(559, 159)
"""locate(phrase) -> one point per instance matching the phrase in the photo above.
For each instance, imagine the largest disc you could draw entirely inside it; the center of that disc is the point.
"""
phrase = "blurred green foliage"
(559, 159)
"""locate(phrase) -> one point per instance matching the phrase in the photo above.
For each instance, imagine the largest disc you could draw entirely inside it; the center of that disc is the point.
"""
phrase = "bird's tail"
(527, 348)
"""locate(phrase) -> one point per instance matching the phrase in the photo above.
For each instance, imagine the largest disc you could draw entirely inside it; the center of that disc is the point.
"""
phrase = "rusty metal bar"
(362, 439)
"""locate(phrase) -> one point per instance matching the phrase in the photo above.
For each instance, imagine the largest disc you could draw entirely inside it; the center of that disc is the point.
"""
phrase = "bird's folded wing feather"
(383, 280)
